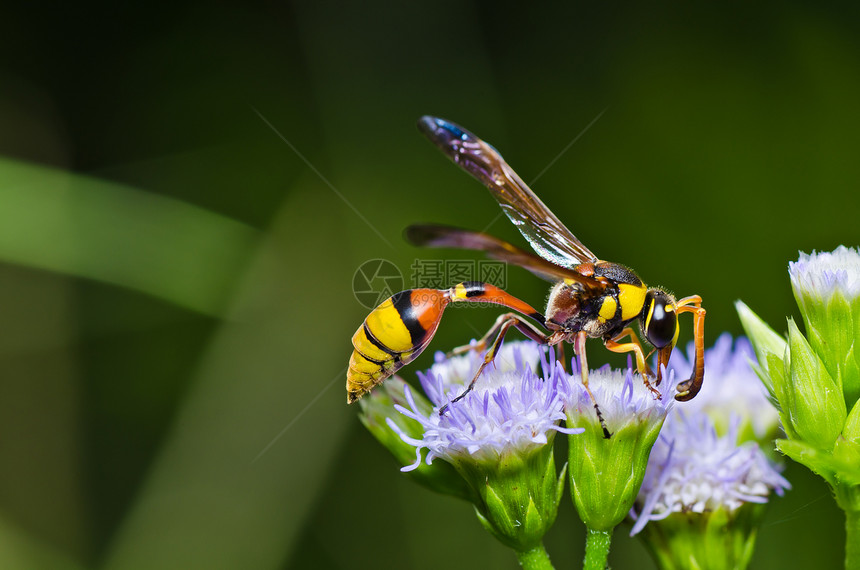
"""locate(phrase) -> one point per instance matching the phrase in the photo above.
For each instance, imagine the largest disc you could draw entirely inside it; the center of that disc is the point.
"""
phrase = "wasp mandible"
(590, 298)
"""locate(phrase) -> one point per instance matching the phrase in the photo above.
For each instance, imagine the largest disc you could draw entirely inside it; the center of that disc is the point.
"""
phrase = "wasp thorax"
(658, 319)
(563, 306)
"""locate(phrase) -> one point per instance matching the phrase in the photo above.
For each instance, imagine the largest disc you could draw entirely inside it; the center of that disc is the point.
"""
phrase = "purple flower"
(510, 410)
(498, 438)
(731, 386)
(692, 469)
(701, 463)
(621, 395)
(606, 473)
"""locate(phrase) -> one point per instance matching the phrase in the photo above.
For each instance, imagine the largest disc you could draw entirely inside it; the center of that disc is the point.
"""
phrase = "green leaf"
(764, 339)
(91, 228)
(262, 428)
(560, 484)
(846, 462)
(778, 371)
(497, 513)
(835, 338)
(808, 456)
(22, 549)
(533, 519)
(818, 408)
(851, 431)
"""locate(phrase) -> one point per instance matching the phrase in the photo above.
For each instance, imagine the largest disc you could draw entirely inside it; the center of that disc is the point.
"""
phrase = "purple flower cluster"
(510, 410)
(621, 395)
(693, 468)
(730, 385)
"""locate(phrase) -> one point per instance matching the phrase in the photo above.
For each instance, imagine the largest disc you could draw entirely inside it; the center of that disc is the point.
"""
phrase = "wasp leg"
(688, 389)
(499, 329)
(480, 346)
(559, 356)
(636, 348)
(579, 349)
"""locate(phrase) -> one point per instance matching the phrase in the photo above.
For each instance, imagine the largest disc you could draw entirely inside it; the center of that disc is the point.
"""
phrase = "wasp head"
(658, 319)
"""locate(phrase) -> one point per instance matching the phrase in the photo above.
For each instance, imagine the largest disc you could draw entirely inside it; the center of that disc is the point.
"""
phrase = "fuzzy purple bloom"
(692, 469)
(698, 464)
(731, 385)
(621, 394)
(510, 410)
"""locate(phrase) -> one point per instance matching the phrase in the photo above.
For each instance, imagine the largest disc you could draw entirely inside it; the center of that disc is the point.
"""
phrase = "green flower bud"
(606, 473)
(518, 496)
(497, 438)
(827, 289)
(820, 378)
(722, 539)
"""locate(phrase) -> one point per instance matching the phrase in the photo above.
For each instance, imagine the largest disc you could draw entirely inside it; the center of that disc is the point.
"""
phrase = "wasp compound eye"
(660, 319)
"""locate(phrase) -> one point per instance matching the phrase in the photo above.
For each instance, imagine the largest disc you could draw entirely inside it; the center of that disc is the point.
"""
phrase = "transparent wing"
(433, 235)
(544, 232)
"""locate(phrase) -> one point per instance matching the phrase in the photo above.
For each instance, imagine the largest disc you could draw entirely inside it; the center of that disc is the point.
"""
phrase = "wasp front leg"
(635, 347)
(688, 389)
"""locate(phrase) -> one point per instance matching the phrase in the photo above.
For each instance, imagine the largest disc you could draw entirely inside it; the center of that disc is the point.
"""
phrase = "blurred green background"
(187, 190)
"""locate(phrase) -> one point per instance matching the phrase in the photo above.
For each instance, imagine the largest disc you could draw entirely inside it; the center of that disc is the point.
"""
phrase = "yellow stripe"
(632, 299)
(607, 309)
(649, 315)
(358, 364)
(363, 375)
(387, 326)
(460, 292)
(365, 346)
(677, 324)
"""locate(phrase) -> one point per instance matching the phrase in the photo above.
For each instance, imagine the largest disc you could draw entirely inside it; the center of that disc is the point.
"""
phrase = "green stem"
(848, 499)
(597, 549)
(535, 558)
(852, 540)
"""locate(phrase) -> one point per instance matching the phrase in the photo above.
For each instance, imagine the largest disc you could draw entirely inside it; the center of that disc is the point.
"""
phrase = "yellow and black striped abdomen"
(391, 336)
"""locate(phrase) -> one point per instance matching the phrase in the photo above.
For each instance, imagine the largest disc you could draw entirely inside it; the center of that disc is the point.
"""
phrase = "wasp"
(590, 298)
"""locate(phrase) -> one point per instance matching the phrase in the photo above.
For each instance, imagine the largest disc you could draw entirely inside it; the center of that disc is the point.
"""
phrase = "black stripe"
(474, 288)
(369, 359)
(376, 342)
(403, 303)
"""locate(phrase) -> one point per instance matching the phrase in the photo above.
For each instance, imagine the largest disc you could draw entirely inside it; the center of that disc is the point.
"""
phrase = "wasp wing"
(543, 230)
(433, 235)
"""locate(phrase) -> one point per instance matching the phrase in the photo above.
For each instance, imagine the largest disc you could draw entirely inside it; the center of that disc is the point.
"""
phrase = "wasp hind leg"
(488, 339)
(498, 330)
